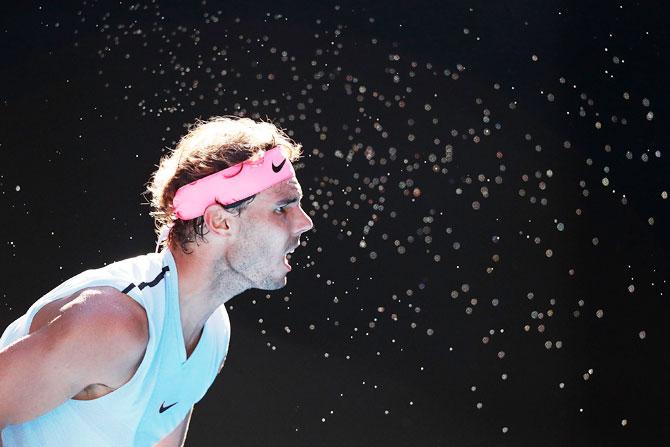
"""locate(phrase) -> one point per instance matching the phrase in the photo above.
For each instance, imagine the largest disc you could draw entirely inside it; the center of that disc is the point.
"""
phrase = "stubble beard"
(251, 271)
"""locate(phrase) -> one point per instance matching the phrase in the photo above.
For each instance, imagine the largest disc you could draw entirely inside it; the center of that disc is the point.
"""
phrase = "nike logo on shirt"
(162, 408)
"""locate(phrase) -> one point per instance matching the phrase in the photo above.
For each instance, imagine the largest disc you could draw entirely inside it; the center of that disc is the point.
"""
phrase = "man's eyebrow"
(290, 200)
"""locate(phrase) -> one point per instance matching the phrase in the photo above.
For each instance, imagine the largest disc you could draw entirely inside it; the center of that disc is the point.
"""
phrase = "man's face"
(269, 227)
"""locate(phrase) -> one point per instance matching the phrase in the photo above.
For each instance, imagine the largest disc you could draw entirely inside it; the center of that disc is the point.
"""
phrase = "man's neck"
(204, 285)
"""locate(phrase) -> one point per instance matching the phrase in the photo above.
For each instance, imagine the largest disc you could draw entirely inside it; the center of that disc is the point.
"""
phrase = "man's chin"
(273, 284)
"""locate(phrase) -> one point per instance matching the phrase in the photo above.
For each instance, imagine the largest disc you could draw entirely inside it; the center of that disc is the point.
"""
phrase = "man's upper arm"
(96, 338)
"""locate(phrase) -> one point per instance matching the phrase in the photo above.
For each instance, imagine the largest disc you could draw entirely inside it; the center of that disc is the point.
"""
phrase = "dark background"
(558, 109)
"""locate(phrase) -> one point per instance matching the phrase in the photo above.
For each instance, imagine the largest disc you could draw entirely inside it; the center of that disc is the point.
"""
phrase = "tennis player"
(118, 356)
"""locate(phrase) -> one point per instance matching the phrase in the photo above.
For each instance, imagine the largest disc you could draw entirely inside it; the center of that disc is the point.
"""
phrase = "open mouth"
(287, 258)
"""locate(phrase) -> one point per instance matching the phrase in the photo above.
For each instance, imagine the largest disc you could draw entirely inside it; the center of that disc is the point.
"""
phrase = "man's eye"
(280, 209)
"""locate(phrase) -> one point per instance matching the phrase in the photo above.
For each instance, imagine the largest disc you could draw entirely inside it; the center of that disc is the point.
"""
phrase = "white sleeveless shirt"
(166, 383)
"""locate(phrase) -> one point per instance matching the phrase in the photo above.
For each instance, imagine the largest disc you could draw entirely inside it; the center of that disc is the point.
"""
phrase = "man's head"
(208, 147)
(251, 240)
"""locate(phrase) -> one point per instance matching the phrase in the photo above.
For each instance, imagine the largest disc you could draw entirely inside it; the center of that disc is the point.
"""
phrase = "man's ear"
(218, 220)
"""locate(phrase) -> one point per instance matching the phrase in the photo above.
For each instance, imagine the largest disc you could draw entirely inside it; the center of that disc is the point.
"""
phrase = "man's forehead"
(290, 187)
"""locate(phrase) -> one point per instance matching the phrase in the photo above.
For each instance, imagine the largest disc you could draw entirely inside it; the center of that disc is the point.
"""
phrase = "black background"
(87, 113)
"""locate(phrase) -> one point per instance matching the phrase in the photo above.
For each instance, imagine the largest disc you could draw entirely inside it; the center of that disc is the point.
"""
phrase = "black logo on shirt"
(164, 408)
(278, 168)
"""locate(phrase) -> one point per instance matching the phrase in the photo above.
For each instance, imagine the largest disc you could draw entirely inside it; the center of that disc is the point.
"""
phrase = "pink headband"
(232, 184)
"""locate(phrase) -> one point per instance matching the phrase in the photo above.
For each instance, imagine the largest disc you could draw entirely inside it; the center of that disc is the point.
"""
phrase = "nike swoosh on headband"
(278, 168)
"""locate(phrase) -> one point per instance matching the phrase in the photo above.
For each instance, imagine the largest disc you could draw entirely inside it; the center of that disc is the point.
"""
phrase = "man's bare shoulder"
(82, 347)
(92, 302)
(108, 325)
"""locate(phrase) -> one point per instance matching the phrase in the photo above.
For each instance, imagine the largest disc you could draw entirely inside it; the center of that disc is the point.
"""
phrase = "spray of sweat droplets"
(454, 211)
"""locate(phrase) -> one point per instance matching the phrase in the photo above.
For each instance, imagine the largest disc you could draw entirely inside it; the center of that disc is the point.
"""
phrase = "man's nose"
(304, 222)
